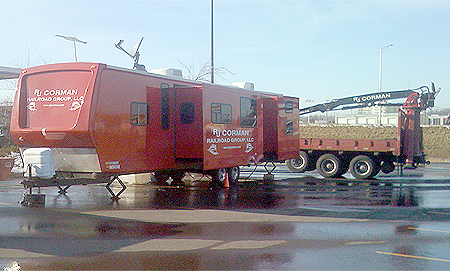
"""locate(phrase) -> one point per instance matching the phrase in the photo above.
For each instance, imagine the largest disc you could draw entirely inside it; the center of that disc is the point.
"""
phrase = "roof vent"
(244, 85)
(169, 72)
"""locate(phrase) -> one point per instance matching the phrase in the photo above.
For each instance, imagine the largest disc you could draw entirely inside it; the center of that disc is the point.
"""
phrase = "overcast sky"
(317, 50)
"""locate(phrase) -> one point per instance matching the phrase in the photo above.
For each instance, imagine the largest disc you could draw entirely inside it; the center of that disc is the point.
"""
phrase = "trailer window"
(289, 127)
(220, 113)
(139, 114)
(165, 106)
(187, 113)
(248, 112)
(289, 107)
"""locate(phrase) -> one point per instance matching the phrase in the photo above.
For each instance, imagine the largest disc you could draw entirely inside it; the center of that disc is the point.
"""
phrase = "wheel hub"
(297, 162)
(329, 166)
(362, 167)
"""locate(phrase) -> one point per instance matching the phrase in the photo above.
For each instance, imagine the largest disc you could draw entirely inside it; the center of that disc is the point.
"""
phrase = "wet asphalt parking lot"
(297, 222)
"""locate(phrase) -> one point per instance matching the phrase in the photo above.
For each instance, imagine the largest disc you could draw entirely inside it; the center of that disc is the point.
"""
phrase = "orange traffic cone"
(226, 183)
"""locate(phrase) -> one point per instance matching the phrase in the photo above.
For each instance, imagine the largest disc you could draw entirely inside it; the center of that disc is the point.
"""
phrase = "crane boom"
(371, 99)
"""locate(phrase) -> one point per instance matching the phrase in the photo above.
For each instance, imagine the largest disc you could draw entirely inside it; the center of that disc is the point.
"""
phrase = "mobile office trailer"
(280, 128)
(101, 122)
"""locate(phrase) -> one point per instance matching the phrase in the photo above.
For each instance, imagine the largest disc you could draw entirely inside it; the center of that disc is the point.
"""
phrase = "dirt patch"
(436, 140)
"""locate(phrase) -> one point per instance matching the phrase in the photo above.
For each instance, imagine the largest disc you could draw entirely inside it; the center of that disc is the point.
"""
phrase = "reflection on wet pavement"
(292, 223)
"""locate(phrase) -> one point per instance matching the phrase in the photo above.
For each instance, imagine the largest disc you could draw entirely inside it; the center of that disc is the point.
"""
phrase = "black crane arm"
(370, 99)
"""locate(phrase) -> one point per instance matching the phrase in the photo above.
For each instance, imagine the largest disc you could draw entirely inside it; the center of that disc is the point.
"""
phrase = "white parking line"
(6, 253)
(169, 245)
(413, 256)
(211, 216)
(249, 244)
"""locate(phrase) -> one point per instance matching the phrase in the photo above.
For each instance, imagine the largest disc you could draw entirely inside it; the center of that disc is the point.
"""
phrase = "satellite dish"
(134, 53)
(135, 48)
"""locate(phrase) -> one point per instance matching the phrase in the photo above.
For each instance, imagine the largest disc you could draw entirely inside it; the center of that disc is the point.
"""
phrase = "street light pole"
(380, 68)
(379, 75)
(212, 42)
(309, 102)
(73, 39)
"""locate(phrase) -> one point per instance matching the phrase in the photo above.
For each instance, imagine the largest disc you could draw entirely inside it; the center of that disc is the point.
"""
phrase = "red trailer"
(280, 128)
(365, 158)
(99, 122)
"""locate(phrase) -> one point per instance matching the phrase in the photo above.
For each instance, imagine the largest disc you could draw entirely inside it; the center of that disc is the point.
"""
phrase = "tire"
(300, 164)
(387, 167)
(329, 166)
(233, 175)
(363, 167)
(218, 177)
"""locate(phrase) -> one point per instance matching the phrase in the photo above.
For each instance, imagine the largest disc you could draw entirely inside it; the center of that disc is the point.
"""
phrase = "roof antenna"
(134, 54)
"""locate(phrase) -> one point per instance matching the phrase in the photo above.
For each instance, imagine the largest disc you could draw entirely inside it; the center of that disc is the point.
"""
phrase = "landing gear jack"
(30, 199)
(114, 196)
(269, 177)
(63, 191)
(33, 200)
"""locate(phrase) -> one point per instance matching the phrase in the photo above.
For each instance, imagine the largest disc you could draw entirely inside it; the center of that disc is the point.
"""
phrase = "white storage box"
(41, 161)
(142, 178)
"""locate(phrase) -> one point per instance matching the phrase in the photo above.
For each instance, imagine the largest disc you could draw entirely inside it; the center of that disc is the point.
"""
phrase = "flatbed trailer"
(365, 158)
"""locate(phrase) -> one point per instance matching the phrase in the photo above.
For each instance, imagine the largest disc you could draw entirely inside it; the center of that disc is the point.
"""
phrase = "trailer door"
(188, 122)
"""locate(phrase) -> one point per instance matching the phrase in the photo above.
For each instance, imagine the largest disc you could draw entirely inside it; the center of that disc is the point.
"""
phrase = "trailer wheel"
(363, 167)
(233, 175)
(300, 164)
(328, 165)
(218, 177)
(387, 167)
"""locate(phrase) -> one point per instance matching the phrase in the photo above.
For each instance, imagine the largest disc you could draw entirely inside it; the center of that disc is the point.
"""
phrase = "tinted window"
(165, 106)
(289, 107)
(139, 113)
(289, 127)
(221, 113)
(248, 112)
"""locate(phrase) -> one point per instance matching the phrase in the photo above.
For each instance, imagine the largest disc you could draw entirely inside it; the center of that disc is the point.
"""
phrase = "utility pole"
(212, 42)
(380, 66)
(379, 78)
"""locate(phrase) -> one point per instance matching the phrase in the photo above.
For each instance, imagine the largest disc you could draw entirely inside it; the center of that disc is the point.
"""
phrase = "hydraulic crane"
(426, 96)
(366, 157)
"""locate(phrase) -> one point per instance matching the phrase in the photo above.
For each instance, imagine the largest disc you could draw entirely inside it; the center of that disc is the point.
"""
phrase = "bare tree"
(204, 73)
(9, 86)
(27, 60)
